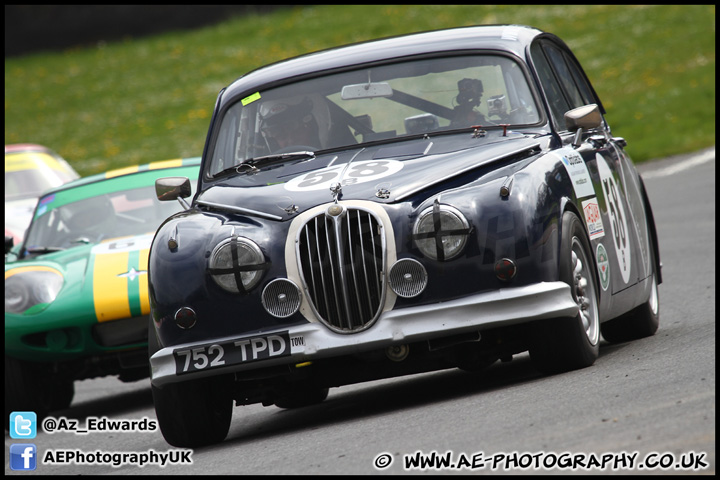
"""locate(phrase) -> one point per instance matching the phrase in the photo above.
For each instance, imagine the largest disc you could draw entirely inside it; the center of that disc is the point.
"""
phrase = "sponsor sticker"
(250, 99)
(593, 219)
(603, 264)
(578, 172)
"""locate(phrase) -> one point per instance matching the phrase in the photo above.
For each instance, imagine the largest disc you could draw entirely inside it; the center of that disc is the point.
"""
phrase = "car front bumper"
(303, 343)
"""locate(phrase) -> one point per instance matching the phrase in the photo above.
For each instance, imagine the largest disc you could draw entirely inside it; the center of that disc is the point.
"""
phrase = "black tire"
(32, 387)
(564, 344)
(63, 394)
(194, 413)
(642, 321)
(302, 397)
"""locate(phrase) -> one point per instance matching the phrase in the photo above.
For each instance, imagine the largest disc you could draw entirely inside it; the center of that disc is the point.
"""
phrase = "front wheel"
(194, 413)
(33, 387)
(642, 321)
(564, 344)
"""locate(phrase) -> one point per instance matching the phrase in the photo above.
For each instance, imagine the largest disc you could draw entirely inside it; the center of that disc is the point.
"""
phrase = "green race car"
(76, 290)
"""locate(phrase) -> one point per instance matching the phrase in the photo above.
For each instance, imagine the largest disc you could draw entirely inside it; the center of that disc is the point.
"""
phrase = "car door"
(620, 233)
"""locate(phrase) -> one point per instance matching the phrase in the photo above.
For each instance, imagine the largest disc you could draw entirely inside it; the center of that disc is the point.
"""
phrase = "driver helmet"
(301, 120)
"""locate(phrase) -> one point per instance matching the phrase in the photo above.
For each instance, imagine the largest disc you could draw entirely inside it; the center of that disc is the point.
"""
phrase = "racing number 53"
(618, 219)
(316, 178)
(358, 172)
(615, 213)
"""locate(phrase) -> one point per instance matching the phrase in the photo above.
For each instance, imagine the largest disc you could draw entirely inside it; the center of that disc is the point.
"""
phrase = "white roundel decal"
(357, 172)
(126, 244)
(618, 219)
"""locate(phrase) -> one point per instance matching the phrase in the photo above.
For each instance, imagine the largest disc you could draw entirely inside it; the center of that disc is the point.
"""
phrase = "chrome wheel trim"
(584, 292)
(653, 301)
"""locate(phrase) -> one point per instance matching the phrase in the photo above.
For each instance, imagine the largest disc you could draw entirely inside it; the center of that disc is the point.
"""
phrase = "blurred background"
(31, 28)
(112, 85)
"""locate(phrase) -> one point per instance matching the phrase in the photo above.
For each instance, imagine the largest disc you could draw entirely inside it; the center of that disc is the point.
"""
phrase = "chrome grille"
(342, 263)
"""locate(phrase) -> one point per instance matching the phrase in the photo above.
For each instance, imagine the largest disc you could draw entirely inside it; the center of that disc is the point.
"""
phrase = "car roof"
(126, 171)
(22, 157)
(27, 147)
(507, 38)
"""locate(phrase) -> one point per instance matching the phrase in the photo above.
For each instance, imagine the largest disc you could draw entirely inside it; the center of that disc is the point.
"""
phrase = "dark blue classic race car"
(437, 200)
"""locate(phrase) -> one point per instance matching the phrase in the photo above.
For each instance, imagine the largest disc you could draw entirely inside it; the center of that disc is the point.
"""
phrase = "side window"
(585, 90)
(551, 86)
(566, 79)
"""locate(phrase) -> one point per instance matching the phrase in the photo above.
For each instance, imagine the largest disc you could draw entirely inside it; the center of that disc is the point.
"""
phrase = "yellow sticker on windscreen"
(247, 100)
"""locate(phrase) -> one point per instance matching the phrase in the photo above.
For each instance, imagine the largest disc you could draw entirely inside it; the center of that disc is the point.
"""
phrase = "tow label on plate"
(244, 350)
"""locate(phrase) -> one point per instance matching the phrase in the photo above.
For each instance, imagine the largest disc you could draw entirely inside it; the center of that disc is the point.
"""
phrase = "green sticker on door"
(603, 265)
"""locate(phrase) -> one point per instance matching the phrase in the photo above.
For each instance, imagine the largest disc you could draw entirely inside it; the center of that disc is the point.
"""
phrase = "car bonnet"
(386, 174)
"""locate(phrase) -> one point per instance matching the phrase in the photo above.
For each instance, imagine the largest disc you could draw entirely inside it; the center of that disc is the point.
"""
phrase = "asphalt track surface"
(645, 407)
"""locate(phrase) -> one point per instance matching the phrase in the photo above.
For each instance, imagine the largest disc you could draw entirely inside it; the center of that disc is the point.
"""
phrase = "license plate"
(244, 350)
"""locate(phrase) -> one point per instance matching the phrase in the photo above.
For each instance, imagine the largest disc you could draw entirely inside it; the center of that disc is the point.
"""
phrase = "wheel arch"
(652, 231)
(567, 205)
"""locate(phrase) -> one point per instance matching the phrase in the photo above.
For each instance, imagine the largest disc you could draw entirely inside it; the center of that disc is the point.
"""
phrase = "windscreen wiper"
(37, 250)
(252, 165)
(40, 250)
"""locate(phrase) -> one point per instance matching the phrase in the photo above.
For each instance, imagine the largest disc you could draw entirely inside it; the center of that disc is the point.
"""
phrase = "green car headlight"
(441, 232)
(28, 287)
(237, 264)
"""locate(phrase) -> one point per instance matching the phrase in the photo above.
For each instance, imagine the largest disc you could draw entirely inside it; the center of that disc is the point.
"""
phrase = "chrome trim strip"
(246, 211)
(507, 306)
(352, 257)
(339, 244)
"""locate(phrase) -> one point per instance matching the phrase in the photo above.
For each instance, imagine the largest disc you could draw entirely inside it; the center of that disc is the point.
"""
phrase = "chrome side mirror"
(173, 188)
(583, 118)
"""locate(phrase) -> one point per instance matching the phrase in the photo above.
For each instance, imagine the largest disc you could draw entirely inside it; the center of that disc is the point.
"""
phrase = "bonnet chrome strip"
(246, 211)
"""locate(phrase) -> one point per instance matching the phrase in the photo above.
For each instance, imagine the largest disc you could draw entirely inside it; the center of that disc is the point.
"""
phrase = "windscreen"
(61, 224)
(388, 101)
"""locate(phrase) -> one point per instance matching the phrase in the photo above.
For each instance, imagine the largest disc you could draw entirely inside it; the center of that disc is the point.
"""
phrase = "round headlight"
(29, 287)
(441, 232)
(237, 264)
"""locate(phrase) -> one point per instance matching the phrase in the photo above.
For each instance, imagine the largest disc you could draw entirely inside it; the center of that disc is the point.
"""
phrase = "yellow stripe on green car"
(30, 161)
(120, 287)
(143, 287)
(178, 162)
(32, 268)
(121, 171)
